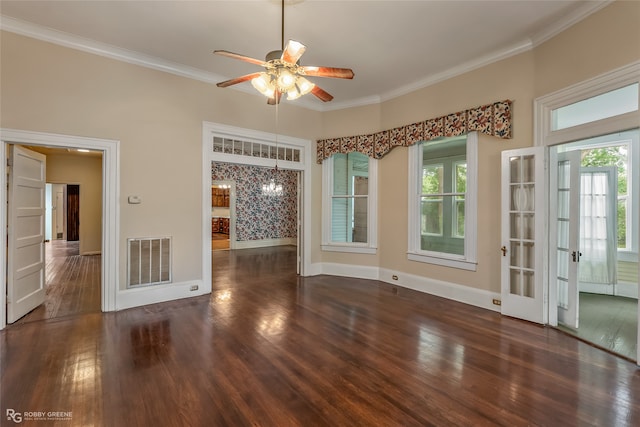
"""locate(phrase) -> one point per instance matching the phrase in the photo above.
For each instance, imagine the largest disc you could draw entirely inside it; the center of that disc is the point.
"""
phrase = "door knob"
(575, 255)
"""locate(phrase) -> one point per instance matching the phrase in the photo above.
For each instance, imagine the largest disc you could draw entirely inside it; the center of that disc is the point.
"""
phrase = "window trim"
(546, 137)
(371, 246)
(414, 253)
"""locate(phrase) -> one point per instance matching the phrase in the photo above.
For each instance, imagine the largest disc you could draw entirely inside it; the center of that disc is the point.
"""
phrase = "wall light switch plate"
(134, 200)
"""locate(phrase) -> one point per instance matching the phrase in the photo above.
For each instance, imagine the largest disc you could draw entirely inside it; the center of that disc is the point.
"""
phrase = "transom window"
(608, 104)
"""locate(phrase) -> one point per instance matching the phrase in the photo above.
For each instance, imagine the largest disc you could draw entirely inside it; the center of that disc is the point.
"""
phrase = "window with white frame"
(349, 201)
(442, 201)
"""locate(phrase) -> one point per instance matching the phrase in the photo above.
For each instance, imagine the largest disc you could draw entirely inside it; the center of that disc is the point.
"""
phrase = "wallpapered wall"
(261, 217)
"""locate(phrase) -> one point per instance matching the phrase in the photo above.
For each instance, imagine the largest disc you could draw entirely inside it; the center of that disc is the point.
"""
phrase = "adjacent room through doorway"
(597, 237)
(72, 255)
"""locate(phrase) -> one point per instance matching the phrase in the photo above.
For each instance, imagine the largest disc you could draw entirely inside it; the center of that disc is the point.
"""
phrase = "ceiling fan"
(284, 74)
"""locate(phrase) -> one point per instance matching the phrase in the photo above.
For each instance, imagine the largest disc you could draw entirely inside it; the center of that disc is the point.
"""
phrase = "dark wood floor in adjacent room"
(72, 282)
(268, 348)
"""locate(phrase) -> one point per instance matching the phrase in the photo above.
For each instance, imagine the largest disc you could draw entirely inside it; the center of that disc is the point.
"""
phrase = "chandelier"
(272, 189)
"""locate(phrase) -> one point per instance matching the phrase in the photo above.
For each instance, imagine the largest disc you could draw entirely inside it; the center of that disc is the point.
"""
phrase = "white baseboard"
(349, 270)
(91, 253)
(453, 291)
(622, 289)
(153, 294)
(247, 244)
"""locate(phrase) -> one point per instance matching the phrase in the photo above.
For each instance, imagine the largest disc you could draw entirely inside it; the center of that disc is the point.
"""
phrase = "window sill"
(445, 262)
(350, 249)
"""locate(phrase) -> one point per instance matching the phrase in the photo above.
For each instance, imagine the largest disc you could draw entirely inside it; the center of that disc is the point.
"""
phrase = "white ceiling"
(394, 47)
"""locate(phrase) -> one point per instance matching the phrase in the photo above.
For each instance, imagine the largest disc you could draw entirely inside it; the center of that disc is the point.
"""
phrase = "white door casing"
(26, 209)
(522, 234)
(110, 205)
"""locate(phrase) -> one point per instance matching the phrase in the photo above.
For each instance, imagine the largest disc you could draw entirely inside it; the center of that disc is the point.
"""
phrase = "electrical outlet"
(194, 288)
(496, 301)
(394, 277)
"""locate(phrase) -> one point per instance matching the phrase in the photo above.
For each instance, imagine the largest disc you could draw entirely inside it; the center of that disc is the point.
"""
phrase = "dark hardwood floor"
(268, 348)
(72, 282)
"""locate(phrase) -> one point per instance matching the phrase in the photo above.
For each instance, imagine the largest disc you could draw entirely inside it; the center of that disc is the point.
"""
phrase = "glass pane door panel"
(514, 164)
(528, 168)
(563, 264)
(563, 293)
(516, 225)
(528, 255)
(528, 286)
(563, 175)
(515, 254)
(563, 234)
(515, 282)
(528, 226)
(563, 203)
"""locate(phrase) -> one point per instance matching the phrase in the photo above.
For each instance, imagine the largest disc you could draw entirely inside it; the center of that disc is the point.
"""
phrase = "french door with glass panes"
(523, 234)
(564, 232)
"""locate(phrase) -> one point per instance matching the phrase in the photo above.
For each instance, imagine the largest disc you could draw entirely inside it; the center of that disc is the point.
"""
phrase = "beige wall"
(158, 119)
(604, 41)
(85, 171)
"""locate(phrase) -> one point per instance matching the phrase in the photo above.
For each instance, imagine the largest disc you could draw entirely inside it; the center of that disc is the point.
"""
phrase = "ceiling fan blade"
(240, 57)
(321, 94)
(293, 51)
(237, 80)
(337, 73)
(276, 98)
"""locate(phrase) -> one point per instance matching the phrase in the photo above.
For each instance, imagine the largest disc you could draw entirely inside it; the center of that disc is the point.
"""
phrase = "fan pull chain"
(277, 131)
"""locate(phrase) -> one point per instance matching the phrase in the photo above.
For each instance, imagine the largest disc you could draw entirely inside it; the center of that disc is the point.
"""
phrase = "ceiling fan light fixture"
(264, 84)
(295, 50)
(284, 74)
(302, 87)
(286, 80)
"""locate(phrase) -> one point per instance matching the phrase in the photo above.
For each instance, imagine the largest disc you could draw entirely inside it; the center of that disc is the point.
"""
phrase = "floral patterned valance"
(492, 119)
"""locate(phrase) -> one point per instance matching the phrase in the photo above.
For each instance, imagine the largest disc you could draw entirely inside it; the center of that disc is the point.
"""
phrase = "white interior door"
(522, 235)
(564, 231)
(25, 257)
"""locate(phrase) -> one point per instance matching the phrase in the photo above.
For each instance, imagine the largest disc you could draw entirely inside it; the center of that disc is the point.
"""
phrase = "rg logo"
(14, 416)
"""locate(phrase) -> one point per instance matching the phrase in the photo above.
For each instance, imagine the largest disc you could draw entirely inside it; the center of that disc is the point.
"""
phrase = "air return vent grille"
(149, 261)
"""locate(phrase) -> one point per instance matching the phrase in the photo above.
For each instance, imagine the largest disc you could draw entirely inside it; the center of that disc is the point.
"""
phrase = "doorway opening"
(222, 217)
(238, 149)
(72, 261)
(106, 206)
(594, 258)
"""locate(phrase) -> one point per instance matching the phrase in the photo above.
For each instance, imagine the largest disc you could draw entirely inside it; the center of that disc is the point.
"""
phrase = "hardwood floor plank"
(268, 348)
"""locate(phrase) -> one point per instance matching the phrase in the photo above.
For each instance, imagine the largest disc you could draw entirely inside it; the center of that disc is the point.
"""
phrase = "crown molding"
(480, 62)
(581, 12)
(109, 51)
